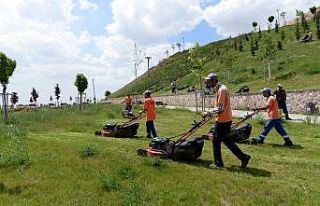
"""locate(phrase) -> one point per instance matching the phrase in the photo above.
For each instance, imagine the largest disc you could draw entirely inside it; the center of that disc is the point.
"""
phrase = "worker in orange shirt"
(273, 121)
(128, 102)
(149, 109)
(222, 110)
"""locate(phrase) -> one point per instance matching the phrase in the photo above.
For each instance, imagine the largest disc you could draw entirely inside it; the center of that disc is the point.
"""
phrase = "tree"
(70, 98)
(259, 33)
(106, 94)
(240, 45)
(246, 37)
(31, 100)
(7, 67)
(57, 92)
(297, 31)
(318, 25)
(81, 83)
(167, 53)
(34, 95)
(173, 48)
(51, 99)
(267, 51)
(270, 20)
(313, 11)
(254, 25)
(197, 61)
(178, 45)
(276, 28)
(14, 98)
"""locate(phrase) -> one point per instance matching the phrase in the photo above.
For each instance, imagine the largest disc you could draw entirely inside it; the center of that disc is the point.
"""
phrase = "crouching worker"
(222, 110)
(273, 121)
(150, 110)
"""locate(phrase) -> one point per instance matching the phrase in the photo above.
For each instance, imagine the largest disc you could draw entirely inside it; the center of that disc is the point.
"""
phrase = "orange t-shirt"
(150, 108)
(272, 104)
(223, 97)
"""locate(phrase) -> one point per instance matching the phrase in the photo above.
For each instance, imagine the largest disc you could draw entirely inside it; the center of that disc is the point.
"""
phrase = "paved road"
(240, 113)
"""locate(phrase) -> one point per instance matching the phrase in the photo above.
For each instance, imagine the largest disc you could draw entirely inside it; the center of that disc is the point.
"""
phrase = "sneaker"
(256, 141)
(288, 144)
(245, 161)
(214, 166)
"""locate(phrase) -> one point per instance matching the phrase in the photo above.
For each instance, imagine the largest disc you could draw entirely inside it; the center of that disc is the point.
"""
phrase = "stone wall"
(295, 100)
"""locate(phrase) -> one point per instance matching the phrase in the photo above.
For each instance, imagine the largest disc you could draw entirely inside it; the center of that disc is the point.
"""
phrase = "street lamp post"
(148, 59)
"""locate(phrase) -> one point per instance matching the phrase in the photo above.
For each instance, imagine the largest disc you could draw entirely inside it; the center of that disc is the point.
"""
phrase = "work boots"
(287, 117)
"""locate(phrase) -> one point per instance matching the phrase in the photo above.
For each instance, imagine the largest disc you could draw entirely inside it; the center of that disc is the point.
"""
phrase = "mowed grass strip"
(59, 174)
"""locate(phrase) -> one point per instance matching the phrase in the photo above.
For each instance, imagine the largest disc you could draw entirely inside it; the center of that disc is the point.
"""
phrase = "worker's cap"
(267, 90)
(280, 85)
(147, 92)
(211, 76)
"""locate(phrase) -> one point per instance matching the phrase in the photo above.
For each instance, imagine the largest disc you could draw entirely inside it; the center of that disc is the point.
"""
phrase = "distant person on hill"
(222, 110)
(281, 97)
(307, 37)
(149, 108)
(128, 102)
(174, 87)
(273, 121)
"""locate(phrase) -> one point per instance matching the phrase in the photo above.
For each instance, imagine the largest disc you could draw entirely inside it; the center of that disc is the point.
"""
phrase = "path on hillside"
(240, 113)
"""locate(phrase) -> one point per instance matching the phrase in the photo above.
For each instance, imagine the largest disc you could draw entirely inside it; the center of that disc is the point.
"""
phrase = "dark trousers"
(221, 132)
(151, 129)
(128, 108)
(282, 105)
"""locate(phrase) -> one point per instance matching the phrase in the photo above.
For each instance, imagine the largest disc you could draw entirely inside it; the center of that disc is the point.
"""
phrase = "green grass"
(59, 170)
(297, 62)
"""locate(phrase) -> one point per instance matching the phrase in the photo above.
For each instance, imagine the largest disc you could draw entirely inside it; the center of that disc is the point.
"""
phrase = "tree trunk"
(201, 92)
(269, 70)
(80, 100)
(4, 101)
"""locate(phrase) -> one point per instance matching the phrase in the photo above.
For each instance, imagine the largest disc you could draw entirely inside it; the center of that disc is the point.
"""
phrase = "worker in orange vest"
(149, 108)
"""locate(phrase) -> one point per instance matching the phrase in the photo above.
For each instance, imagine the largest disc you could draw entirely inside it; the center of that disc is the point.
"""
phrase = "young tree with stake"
(81, 83)
(7, 67)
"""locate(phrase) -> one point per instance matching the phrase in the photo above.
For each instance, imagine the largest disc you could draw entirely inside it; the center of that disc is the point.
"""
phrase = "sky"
(53, 40)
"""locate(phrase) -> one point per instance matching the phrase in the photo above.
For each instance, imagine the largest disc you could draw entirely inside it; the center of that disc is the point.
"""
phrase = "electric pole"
(148, 59)
(94, 92)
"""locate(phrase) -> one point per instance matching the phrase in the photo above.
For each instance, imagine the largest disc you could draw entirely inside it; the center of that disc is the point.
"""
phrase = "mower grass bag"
(238, 134)
(127, 130)
(188, 150)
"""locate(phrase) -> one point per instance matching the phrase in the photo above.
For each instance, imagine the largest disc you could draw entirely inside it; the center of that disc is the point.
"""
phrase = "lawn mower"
(239, 132)
(183, 149)
(124, 130)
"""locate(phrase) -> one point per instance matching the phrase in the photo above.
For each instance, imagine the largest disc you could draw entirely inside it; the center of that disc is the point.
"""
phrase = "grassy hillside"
(297, 66)
(51, 157)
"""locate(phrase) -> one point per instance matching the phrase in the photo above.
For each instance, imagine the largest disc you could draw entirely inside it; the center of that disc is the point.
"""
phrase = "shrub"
(313, 70)
(261, 119)
(108, 183)
(126, 172)
(87, 151)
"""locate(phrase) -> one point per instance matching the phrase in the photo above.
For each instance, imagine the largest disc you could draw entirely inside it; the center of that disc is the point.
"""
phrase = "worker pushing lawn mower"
(190, 149)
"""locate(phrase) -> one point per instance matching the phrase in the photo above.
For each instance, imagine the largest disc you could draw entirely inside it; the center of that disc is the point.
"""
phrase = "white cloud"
(85, 4)
(232, 17)
(151, 21)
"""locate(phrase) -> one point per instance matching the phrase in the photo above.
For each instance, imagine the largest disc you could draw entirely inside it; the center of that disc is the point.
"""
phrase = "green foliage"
(34, 95)
(108, 184)
(279, 45)
(107, 93)
(16, 153)
(286, 76)
(267, 49)
(81, 83)
(283, 35)
(7, 67)
(270, 19)
(254, 24)
(87, 151)
(260, 119)
(197, 60)
(312, 71)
